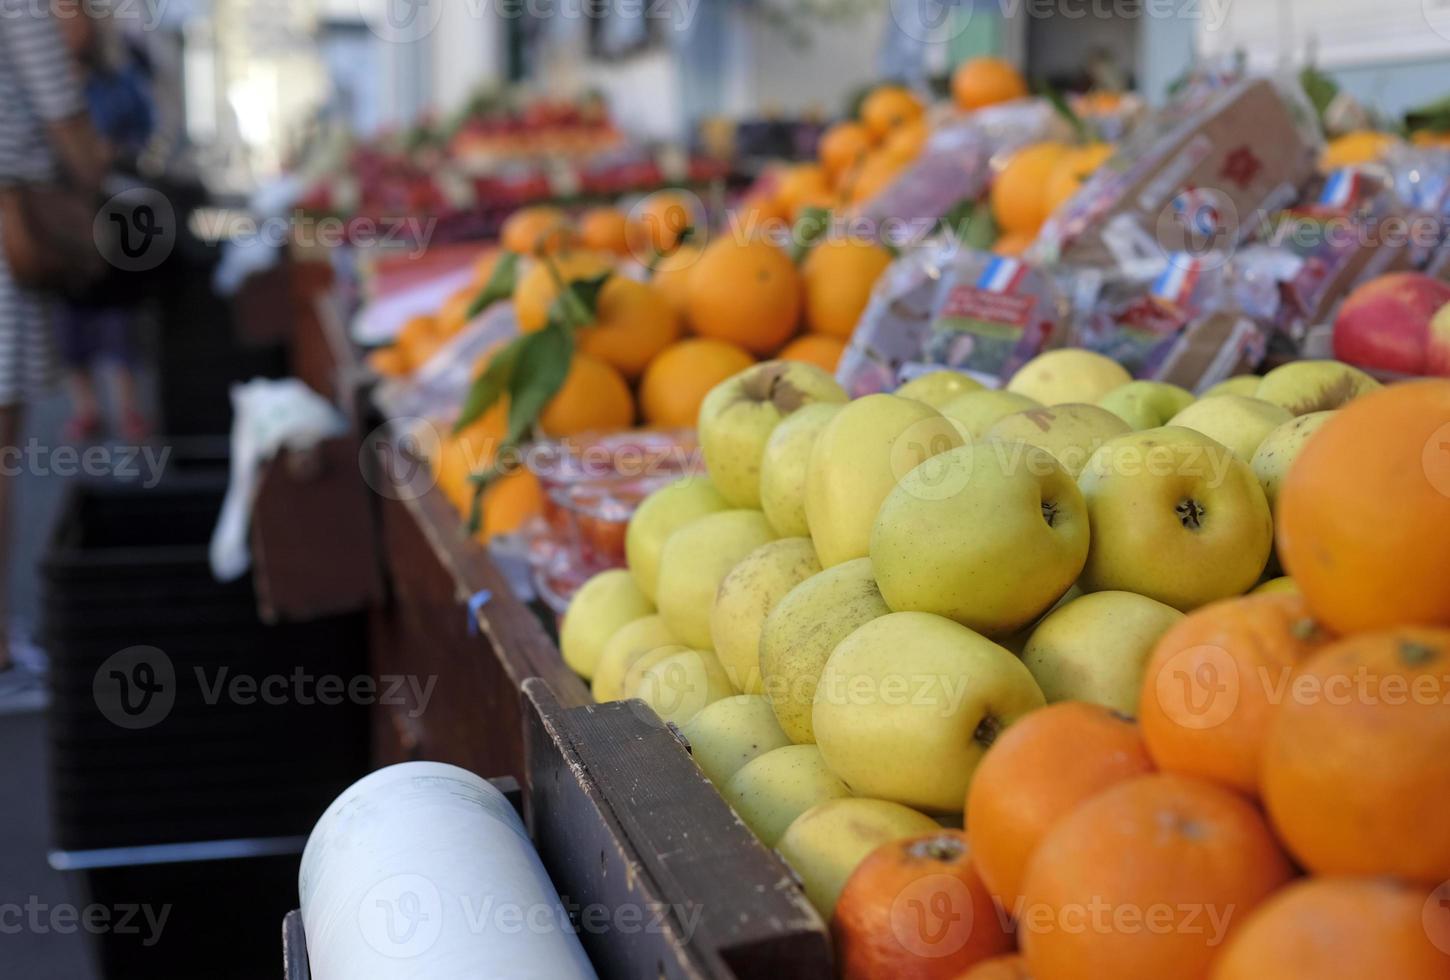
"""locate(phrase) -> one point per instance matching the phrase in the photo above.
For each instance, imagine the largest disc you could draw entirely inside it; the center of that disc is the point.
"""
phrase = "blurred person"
(48, 151)
(92, 330)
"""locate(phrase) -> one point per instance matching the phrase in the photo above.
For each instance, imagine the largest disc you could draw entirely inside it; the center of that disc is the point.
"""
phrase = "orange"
(672, 277)
(839, 275)
(1014, 243)
(678, 380)
(986, 81)
(1209, 687)
(453, 316)
(1364, 514)
(468, 452)
(389, 362)
(1038, 771)
(906, 142)
(536, 230)
(801, 182)
(484, 265)
(659, 221)
(1138, 882)
(605, 230)
(633, 324)
(510, 502)
(1019, 192)
(1356, 149)
(842, 145)
(537, 288)
(876, 173)
(888, 107)
(419, 340)
(1010, 967)
(1073, 170)
(1336, 929)
(916, 909)
(1356, 766)
(594, 398)
(818, 349)
(747, 293)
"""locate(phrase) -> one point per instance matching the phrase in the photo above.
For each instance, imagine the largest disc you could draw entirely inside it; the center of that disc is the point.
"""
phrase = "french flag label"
(1341, 190)
(1002, 275)
(1177, 282)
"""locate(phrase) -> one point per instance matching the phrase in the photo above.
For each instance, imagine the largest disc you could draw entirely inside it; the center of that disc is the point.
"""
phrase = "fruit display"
(1003, 695)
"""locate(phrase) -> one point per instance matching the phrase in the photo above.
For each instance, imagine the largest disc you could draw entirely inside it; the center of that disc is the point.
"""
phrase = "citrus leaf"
(1060, 106)
(542, 366)
(489, 386)
(809, 228)
(577, 304)
(500, 284)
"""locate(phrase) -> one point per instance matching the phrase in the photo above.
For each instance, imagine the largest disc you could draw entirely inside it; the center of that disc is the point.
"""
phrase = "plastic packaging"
(424, 870)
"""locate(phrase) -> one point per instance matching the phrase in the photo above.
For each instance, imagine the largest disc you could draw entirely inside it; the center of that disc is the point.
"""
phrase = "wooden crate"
(625, 823)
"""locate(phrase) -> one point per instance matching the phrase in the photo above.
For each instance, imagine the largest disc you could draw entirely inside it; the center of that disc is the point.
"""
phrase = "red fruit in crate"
(1385, 324)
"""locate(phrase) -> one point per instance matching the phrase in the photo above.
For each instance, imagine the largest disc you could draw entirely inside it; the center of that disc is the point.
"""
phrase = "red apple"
(1385, 323)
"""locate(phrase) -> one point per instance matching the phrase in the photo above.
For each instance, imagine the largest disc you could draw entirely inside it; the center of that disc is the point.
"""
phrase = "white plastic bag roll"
(424, 870)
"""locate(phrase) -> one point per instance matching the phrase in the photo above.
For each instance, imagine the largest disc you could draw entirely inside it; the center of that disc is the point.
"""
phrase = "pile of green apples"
(862, 594)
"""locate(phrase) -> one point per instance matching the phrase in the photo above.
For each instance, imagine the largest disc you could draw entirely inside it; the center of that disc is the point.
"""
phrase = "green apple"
(1096, 648)
(939, 387)
(658, 516)
(1071, 433)
(774, 788)
(726, 735)
(1271, 461)
(909, 703)
(1283, 585)
(1240, 384)
(739, 414)
(1176, 517)
(1237, 421)
(1146, 404)
(602, 605)
(747, 595)
(977, 411)
(989, 535)
(827, 842)
(1068, 375)
(677, 682)
(696, 560)
(858, 459)
(630, 642)
(784, 466)
(1307, 387)
(803, 629)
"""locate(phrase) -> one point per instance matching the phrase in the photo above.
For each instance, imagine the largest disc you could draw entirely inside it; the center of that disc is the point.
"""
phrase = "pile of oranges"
(1279, 810)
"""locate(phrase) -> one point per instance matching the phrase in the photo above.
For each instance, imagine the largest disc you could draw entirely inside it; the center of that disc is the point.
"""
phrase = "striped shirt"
(38, 85)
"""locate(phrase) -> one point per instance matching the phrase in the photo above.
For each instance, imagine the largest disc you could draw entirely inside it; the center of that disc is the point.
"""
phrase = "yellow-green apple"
(784, 466)
(858, 459)
(977, 411)
(1276, 586)
(1271, 461)
(1068, 375)
(989, 535)
(602, 605)
(939, 387)
(1236, 421)
(726, 735)
(1240, 384)
(677, 682)
(1384, 324)
(909, 703)
(739, 414)
(1095, 648)
(1146, 404)
(658, 516)
(630, 642)
(696, 560)
(826, 843)
(774, 788)
(1306, 387)
(1071, 433)
(747, 595)
(1438, 361)
(1175, 516)
(803, 629)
